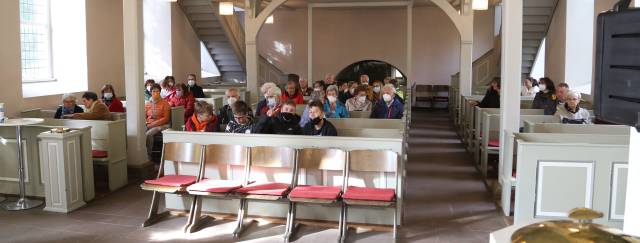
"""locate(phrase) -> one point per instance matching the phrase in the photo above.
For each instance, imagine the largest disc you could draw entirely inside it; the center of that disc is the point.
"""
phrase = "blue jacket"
(382, 111)
(340, 111)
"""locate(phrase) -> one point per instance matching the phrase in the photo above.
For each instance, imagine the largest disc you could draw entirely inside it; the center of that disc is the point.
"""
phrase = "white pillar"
(252, 68)
(578, 45)
(632, 211)
(466, 66)
(133, 28)
(511, 75)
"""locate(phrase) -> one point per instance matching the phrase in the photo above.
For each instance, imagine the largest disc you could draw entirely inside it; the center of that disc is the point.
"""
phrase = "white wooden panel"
(9, 160)
(562, 186)
(618, 190)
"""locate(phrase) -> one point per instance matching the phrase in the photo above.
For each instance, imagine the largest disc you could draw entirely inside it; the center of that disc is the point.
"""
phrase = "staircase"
(224, 38)
(537, 16)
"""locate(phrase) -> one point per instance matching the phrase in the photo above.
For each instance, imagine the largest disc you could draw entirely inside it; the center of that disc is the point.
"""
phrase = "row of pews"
(551, 167)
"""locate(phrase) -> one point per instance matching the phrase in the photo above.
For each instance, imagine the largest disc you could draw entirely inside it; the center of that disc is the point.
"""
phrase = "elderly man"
(225, 113)
(389, 107)
(561, 92)
(304, 87)
(96, 110)
(364, 79)
(193, 87)
(329, 79)
(68, 107)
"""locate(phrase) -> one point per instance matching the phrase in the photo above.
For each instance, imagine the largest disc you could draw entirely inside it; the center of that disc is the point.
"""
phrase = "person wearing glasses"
(242, 121)
(571, 112)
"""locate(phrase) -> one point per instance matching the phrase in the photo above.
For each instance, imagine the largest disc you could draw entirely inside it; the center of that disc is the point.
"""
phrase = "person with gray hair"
(571, 112)
(225, 113)
(389, 107)
(271, 104)
(317, 95)
(68, 106)
(333, 108)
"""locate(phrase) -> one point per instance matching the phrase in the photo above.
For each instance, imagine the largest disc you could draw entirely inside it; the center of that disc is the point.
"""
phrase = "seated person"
(359, 102)
(110, 99)
(315, 95)
(492, 97)
(242, 121)
(147, 91)
(286, 122)
(318, 85)
(304, 87)
(271, 104)
(203, 119)
(389, 107)
(225, 114)
(292, 93)
(158, 116)
(95, 109)
(374, 93)
(168, 86)
(194, 89)
(571, 112)
(183, 98)
(546, 99)
(364, 80)
(263, 101)
(530, 87)
(561, 92)
(344, 94)
(318, 125)
(68, 107)
(333, 108)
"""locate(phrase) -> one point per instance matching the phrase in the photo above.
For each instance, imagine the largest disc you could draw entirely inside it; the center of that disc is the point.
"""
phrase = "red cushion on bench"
(99, 153)
(317, 192)
(266, 188)
(216, 186)
(494, 143)
(173, 180)
(369, 194)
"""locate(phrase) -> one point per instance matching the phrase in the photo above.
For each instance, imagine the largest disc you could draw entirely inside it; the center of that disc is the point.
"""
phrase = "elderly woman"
(315, 95)
(571, 112)
(110, 99)
(292, 93)
(389, 107)
(333, 108)
(68, 107)
(271, 104)
(359, 101)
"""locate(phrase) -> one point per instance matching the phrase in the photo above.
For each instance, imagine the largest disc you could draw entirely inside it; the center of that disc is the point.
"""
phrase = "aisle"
(446, 198)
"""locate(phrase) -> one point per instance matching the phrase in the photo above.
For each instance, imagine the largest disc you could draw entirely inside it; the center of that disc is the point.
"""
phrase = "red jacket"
(186, 101)
(115, 106)
(297, 98)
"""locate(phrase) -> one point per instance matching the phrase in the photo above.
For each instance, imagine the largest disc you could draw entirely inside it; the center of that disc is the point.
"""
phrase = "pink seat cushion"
(216, 186)
(267, 188)
(369, 194)
(173, 180)
(494, 143)
(99, 153)
(316, 192)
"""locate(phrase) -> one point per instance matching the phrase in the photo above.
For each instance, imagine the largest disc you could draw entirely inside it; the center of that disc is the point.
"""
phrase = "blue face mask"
(66, 111)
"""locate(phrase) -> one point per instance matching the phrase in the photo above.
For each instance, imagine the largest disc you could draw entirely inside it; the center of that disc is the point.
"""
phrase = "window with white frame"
(35, 38)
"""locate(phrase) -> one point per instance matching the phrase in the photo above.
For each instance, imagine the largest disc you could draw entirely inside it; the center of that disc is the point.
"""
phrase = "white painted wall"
(157, 39)
(579, 45)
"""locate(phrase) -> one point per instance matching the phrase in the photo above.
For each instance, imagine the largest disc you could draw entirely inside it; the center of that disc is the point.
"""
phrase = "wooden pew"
(370, 132)
(478, 118)
(366, 123)
(506, 178)
(34, 185)
(216, 102)
(363, 114)
(276, 209)
(177, 118)
(558, 172)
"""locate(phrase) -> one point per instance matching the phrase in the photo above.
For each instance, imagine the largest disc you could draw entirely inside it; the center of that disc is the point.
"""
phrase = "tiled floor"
(446, 202)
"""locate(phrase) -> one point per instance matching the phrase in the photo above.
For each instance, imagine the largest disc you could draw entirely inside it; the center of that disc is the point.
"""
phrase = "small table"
(22, 203)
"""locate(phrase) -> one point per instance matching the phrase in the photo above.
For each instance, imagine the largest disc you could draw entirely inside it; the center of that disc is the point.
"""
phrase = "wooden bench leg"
(153, 215)
(395, 223)
(483, 162)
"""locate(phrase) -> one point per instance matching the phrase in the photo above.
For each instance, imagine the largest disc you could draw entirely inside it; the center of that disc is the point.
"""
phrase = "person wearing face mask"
(271, 104)
(292, 93)
(110, 99)
(68, 106)
(359, 102)
(242, 121)
(286, 122)
(364, 79)
(147, 89)
(265, 87)
(389, 107)
(345, 92)
(158, 116)
(375, 92)
(492, 97)
(315, 95)
(168, 87)
(225, 113)
(546, 99)
(333, 108)
(318, 86)
(95, 110)
(203, 119)
(318, 125)
(571, 112)
(194, 89)
(183, 98)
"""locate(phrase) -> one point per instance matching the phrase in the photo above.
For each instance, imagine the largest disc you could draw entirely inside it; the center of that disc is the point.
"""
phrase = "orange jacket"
(158, 114)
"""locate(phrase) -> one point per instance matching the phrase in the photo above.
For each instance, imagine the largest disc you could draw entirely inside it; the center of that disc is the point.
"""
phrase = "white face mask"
(108, 96)
(271, 102)
(542, 87)
(149, 89)
(231, 100)
(164, 93)
(331, 99)
(352, 90)
(376, 89)
(361, 99)
(191, 82)
(179, 93)
(317, 89)
(386, 97)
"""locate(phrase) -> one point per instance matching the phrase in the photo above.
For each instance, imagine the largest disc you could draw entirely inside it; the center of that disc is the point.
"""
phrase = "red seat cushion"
(216, 186)
(316, 192)
(369, 194)
(173, 180)
(494, 143)
(99, 153)
(268, 188)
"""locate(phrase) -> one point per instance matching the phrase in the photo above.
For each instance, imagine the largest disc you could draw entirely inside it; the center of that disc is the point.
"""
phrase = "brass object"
(578, 230)
(60, 130)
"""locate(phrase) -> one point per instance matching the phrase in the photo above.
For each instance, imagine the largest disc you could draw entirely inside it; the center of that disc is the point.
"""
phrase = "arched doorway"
(376, 69)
